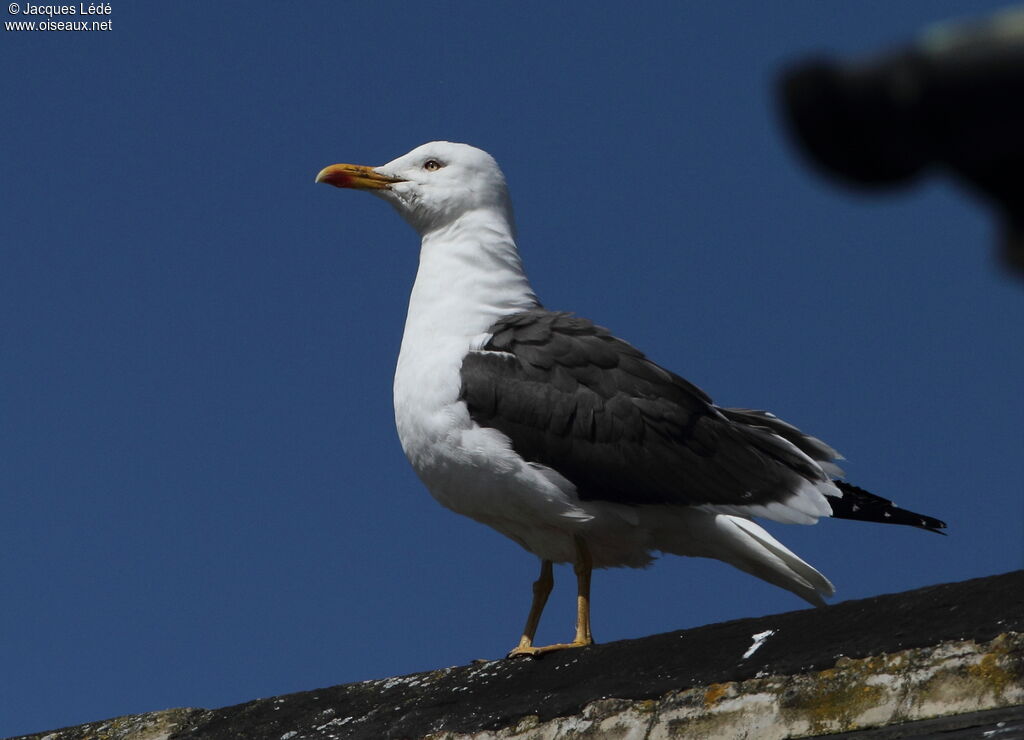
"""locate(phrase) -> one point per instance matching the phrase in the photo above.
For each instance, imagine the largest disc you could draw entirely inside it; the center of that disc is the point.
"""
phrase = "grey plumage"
(572, 397)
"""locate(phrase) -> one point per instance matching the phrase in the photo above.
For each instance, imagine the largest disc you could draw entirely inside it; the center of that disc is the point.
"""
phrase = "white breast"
(469, 277)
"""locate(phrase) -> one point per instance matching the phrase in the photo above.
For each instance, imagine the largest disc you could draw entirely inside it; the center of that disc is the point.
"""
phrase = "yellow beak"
(355, 176)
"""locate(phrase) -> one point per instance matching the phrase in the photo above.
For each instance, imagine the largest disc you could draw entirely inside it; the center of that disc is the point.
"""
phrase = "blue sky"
(204, 497)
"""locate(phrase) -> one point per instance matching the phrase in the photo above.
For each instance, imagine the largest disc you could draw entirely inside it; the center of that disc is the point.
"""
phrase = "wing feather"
(572, 397)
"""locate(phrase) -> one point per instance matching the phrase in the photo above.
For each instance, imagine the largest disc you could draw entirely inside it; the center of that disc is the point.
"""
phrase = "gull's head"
(432, 185)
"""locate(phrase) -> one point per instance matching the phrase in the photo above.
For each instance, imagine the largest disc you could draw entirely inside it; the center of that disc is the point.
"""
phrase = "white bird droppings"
(759, 640)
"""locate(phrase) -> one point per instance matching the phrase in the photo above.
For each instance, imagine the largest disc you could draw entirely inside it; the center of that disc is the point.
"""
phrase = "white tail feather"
(776, 563)
(747, 546)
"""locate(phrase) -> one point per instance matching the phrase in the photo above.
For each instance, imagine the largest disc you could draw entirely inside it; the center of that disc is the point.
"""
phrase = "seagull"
(565, 438)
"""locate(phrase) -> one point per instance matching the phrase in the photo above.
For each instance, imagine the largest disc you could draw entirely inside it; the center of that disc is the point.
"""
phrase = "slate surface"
(496, 694)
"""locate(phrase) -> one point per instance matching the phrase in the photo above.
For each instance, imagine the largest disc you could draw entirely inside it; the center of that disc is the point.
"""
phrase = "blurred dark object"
(952, 102)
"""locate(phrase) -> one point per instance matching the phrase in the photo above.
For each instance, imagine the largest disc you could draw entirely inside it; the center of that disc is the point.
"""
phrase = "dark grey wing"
(813, 447)
(572, 397)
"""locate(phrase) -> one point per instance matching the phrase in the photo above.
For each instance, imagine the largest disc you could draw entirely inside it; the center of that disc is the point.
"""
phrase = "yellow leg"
(583, 568)
(541, 590)
(542, 587)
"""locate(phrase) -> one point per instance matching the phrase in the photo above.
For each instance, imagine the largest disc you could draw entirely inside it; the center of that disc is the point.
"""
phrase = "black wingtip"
(861, 505)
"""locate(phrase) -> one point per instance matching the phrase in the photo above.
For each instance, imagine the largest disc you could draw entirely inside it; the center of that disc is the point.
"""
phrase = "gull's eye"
(432, 164)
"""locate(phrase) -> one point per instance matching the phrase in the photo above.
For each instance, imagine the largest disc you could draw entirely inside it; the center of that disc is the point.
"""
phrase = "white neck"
(470, 275)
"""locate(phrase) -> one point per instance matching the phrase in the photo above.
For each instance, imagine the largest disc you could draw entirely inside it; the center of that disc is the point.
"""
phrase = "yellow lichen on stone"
(994, 669)
(981, 675)
(647, 706)
(832, 700)
(895, 662)
(714, 693)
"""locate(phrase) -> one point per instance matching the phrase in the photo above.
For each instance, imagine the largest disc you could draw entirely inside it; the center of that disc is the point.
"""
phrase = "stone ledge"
(918, 655)
(889, 689)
